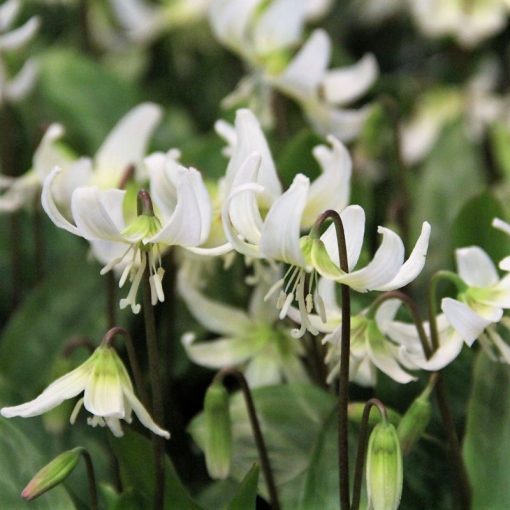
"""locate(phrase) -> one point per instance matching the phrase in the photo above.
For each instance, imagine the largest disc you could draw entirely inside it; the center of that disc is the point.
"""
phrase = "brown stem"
(257, 432)
(111, 305)
(91, 480)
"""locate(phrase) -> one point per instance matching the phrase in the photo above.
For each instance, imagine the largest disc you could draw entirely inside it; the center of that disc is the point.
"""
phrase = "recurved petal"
(143, 415)
(353, 221)
(346, 84)
(21, 85)
(213, 315)
(382, 268)
(98, 213)
(467, 323)
(8, 12)
(17, 38)
(67, 386)
(187, 226)
(51, 208)
(332, 188)
(163, 174)
(501, 225)
(414, 264)
(47, 155)
(280, 238)
(126, 144)
(302, 76)
(475, 267)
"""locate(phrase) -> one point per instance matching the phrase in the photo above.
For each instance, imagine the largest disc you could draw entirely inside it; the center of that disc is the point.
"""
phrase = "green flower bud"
(384, 468)
(414, 422)
(52, 474)
(218, 438)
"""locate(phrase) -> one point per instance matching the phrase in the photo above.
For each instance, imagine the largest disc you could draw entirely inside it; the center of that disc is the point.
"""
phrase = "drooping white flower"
(265, 36)
(16, 88)
(266, 353)
(469, 23)
(482, 301)
(371, 348)
(181, 217)
(108, 395)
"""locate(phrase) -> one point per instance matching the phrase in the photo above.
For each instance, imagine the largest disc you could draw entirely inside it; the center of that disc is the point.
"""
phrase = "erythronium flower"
(181, 217)
(468, 22)
(108, 394)
(371, 349)
(483, 297)
(504, 227)
(265, 35)
(266, 352)
(14, 89)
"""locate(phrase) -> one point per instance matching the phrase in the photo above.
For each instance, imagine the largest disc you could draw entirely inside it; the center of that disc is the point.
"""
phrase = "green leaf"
(500, 142)
(451, 175)
(292, 419)
(69, 302)
(19, 461)
(487, 439)
(472, 226)
(83, 95)
(134, 453)
(246, 496)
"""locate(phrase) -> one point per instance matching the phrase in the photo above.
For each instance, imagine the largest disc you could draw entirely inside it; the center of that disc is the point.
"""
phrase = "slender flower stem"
(257, 432)
(343, 380)
(133, 360)
(456, 460)
(76, 342)
(111, 304)
(157, 396)
(91, 477)
(362, 447)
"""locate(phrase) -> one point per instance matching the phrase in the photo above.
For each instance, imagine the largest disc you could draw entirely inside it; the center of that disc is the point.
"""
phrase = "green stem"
(362, 448)
(257, 432)
(91, 477)
(39, 247)
(156, 386)
(343, 379)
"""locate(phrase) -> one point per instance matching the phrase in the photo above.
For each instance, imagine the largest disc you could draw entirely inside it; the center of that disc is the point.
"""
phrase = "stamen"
(76, 410)
(131, 297)
(274, 288)
(286, 305)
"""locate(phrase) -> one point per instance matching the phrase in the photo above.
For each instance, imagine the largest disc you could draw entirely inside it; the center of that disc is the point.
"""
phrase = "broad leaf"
(246, 495)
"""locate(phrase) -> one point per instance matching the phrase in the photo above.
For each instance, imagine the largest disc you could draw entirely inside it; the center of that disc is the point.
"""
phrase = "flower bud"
(414, 422)
(218, 440)
(52, 474)
(384, 468)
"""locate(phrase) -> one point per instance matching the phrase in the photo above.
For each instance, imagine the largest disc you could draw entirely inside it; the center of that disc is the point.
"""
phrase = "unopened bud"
(384, 468)
(52, 474)
(414, 422)
(218, 443)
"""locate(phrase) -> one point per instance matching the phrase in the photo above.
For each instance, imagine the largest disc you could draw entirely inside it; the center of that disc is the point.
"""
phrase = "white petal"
(220, 353)
(50, 207)
(302, 76)
(382, 268)
(386, 313)
(190, 222)
(249, 139)
(501, 225)
(414, 264)
(280, 26)
(346, 84)
(98, 214)
(468, 324)
(142, 21)
(47, 155)
(263, 371)
(143, 415)
(475, 267)
(21, 85)
(216, 251)
(353, 221)
(504, 264)
(17, 38)
(8, 12)
(280, 238)
(126, 144)
(67, 386)
(164, 175)
(331, 190)
(103, 393)
(74, 175)
(213, 315)
(20, 192)
(228, 132)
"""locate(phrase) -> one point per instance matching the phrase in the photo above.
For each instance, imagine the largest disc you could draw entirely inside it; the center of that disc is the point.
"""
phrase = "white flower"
(371, 349)
(468, 22)
(482, 301)
(108, 394)
(265, 36)
(14, 89)
(266, 353)
(504, 227)
(181, 218)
